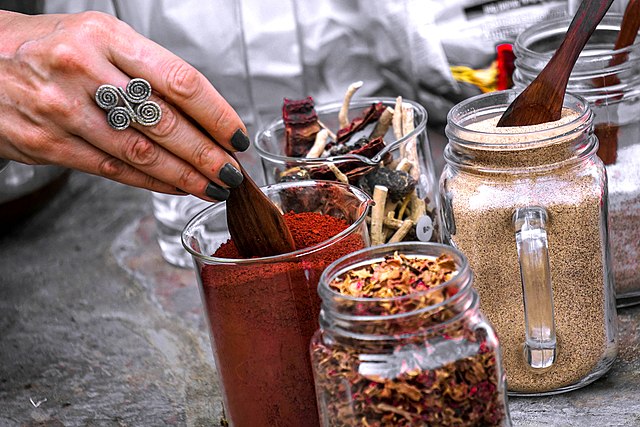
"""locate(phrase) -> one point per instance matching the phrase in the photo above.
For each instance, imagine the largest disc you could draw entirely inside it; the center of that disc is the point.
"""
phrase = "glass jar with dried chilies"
(610, 80)
(377, 144)
(528, 207)
(402, 342)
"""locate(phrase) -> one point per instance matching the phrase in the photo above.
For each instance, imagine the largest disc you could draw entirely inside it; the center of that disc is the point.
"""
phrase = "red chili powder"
(262, 317)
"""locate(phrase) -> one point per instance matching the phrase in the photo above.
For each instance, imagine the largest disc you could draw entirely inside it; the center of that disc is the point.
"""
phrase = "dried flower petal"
(301, 126)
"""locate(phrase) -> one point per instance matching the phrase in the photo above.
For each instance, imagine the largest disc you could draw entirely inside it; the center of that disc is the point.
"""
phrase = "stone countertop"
(97, 330)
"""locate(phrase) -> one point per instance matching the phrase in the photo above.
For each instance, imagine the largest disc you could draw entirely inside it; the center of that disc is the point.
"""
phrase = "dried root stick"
(400, 234)
(383, 125)
(404, 205)
(389, 209)
(318, 146)
(409, 149)
(338, 173)
(343, 116)
(332, 135)
(404, 165)
(418, 207)
(377, 214)
(397, 119)
(390, 223)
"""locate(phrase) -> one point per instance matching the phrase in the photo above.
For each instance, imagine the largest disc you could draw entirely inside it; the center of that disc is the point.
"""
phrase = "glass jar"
(416, 201)
(427, 358)
(528, 207)
(613, 92)
(262, 312)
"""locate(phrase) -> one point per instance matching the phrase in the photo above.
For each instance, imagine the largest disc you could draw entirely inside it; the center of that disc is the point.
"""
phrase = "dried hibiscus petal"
(370, 115)
(301, 125)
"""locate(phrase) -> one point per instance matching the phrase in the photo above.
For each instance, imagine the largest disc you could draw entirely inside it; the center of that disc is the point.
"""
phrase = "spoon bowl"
(255, 223)
(541, 101)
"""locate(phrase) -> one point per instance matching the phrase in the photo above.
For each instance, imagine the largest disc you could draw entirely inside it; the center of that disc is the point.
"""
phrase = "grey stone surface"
(97, 330)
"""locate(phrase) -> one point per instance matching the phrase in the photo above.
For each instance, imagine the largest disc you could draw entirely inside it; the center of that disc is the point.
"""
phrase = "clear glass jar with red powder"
(262, 312)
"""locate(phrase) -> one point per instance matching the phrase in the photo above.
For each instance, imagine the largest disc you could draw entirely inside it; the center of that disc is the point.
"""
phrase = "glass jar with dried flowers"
(402, 342)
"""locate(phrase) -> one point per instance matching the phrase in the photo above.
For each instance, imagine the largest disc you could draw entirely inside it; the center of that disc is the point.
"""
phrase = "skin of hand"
(50, 68)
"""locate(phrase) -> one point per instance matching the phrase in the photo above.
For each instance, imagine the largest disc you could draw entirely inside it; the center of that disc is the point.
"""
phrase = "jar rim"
(215, 209)
(463, 277)
(453, 128)
(561, 25)
(472, 304)
(278, 124)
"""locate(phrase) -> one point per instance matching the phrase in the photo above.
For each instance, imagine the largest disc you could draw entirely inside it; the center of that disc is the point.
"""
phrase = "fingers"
(150, 158)
(97, 162)
(179, 136)
(67, 65)
(174, 150)
(182, 85)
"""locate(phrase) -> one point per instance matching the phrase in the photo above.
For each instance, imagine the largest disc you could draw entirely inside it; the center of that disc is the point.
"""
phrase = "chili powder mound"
(262, 317)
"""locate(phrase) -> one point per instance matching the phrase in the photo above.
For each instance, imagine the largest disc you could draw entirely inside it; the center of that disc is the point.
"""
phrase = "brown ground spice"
(482, 206)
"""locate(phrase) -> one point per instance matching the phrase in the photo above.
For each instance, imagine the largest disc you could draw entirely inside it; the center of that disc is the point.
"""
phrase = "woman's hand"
(50, 69)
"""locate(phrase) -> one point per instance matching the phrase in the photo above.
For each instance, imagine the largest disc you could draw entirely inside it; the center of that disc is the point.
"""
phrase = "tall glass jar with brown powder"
(610, 80)
(528, 207)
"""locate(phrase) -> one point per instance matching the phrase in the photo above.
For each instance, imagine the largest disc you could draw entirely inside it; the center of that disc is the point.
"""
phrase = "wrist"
(17, 28)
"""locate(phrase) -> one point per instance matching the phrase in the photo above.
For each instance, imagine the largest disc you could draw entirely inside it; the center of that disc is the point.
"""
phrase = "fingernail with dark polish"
(230, 175)
(216, 192)
(240, 140)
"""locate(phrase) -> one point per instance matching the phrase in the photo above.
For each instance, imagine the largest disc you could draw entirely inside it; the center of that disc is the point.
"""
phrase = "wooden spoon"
(542, 100)
(256, 225)
(607, 133)
(626, 36)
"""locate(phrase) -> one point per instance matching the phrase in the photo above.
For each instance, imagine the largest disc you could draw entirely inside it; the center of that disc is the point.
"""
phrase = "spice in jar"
(396, 175)
(263, 316)
(404, 346)
(606, 76)
(545, 286)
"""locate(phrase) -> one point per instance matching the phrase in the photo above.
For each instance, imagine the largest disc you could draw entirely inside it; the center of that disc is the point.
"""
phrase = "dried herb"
(363, 135)
(420, 374)
(399, 183)
(395, 276)
(368, 116)
(301, 125)
(354, 169)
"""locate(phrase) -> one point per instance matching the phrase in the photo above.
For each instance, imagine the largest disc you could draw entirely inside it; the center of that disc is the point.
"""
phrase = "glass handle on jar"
(533, 256)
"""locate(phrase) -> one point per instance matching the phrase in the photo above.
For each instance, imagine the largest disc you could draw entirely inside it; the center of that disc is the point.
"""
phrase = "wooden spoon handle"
(628, 31)
(629, 26)
(627, 35)
(584, 23)
(255, 224)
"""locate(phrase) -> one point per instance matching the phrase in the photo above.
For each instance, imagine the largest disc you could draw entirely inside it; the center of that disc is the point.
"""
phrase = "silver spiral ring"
(119, 118)
(138, 90)
(136, 106)
(149, 113)
(107, 97)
